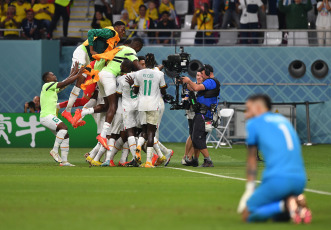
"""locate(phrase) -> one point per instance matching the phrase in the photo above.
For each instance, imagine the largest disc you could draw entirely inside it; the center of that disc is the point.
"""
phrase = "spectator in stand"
(296, 14)
(105, 7)
(143, 22)
(10, 22)
(231, 14)
(43, 12)
(296, 18)
(199, 3)
(166, 5)
(323, 22)
(62, 9)
(204, 18)
(164, 23)
(21, 7)
(249, 19)
(152, 11)
(132, 6)
(125, 19)
(33, 106)
(4, 7)
(99, 21)
(31, 27)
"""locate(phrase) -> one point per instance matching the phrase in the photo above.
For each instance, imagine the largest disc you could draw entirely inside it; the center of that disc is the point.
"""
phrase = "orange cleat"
(103, 141)
(122, 164)
(67, 116)
(138, 154)
(79, 123)
(154, 158)
(112, 164)
(77, 117)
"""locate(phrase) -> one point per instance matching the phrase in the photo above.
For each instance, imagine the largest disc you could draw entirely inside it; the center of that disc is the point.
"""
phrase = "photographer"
(204, 107)
(33, 106)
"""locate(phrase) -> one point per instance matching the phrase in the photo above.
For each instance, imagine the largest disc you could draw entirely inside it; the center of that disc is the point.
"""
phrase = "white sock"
(58, 140)
(118, 144)
(109, 155)
(141, 141)
(65, 150)
(105, 129)
(90, 104)
(95, 150)
(101, 151)
(132, 145)
(164, 150)
(149, 154)
(87, 111)
(99, 154)
(157, 148)
(58, 106)
(125, 152)
(72, 98)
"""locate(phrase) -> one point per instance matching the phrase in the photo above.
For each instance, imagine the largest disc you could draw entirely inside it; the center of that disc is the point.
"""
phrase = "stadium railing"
(8, 30)
(230, 37)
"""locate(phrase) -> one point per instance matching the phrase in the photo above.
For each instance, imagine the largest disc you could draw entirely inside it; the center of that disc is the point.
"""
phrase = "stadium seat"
(228, 38)
(116, 17)
(225, 116)
(187, 38)
(181, 7)
(272, 38)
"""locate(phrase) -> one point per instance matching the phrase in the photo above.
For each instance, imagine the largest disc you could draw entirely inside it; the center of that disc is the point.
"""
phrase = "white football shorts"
(107, 83)
(51, 122)
(149, 117)
(117, 124)
(130, 119)
(80, 56)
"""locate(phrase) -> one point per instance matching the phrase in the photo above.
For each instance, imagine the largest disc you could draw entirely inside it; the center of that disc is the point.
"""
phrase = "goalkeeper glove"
(250, 185)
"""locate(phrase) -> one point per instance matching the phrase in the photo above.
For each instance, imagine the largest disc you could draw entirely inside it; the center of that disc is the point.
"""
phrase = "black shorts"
(199, 133)
(190, 126)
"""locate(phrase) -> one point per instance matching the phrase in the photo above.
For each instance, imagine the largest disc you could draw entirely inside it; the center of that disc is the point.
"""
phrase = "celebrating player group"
(121, 92)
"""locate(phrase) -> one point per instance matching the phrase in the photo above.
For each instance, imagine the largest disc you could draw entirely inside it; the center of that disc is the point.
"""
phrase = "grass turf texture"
(37, 194)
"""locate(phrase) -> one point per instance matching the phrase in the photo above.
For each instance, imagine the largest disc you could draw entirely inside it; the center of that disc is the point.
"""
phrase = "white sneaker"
(66, 164)
(183, 161)
(168, 156)
(56, 156)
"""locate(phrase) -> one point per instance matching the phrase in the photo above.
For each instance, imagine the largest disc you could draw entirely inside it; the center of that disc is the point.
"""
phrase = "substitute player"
(284, 176)
(48, 100)
(99, 41)
(149, 84)
(107, 85)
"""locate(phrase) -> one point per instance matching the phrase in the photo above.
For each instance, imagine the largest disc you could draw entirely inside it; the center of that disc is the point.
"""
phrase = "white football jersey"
(149, 82)
(119, 104)
(129, 98)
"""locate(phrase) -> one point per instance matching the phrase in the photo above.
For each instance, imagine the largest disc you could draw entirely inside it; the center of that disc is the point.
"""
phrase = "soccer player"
(149, 84)
(107, 86)
(284, 176)
(142, 61)
(99, 41)
(48, 100)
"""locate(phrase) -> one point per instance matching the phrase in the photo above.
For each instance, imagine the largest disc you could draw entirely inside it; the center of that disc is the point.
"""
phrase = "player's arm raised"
(70, 79)
(191, 85)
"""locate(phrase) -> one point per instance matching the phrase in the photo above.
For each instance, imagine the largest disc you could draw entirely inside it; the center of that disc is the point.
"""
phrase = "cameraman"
(206, 101)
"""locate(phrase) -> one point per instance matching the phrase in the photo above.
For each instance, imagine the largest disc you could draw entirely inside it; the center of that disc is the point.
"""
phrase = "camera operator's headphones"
(207, 70)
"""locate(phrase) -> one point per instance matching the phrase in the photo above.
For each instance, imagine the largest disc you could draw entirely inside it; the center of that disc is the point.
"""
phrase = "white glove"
(247, 194)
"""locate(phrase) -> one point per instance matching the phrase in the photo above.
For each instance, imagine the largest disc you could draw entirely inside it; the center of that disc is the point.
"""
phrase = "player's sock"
(72, 98)
(157, 148)
(149, 154)
(95, 150)
(207, 158)
(59, 139)
(88, 111)
(118, 144)
(267, 211)
(90, 104)
(105, 128)
(110, 155)
(99, 154)
(80, 102)
(132, 145)
(62, 105)
(164, 149)
(141, 141)
(64, 150)
(125, 153)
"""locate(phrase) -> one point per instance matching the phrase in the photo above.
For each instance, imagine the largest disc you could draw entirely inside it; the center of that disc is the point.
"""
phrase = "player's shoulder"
(128, 49)
(273, 117)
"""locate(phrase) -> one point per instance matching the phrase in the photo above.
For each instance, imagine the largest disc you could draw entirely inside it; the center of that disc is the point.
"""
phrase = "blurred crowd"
(38, 18)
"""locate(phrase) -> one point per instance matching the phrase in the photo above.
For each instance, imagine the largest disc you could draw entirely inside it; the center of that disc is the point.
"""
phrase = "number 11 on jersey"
(149, 87)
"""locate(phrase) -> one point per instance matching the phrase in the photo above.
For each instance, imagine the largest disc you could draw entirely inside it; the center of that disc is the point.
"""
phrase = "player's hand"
(81, 71)
(26, 105)
(129, 80)
(247, 194)
(93, 52)
(74, 69)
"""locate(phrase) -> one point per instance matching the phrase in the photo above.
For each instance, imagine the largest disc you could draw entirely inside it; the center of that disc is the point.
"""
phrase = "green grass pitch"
(37, 194)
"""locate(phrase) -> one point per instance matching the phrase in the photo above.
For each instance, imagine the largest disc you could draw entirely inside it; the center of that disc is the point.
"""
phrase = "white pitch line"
(242, 179)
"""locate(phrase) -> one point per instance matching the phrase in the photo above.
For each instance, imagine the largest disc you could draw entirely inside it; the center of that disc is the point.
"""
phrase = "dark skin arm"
(72, 78)
(136, 89)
